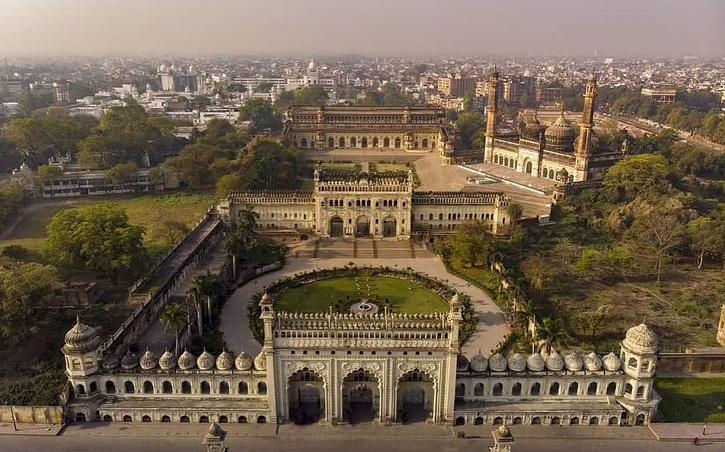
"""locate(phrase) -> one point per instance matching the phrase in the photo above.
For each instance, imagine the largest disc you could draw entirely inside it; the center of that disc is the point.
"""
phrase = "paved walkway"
(688, 432)
(235, 322)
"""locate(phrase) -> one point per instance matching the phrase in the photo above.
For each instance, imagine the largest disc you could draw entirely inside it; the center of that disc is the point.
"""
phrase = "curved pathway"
(235, 322)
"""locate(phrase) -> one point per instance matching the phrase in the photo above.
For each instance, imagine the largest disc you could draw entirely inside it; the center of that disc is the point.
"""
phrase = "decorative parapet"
(272, 197)
(459, 197)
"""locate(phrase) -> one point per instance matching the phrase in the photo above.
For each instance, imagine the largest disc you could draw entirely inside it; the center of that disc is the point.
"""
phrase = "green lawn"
(145, 210)
(402, 296)
(383, 167)
(692, 399)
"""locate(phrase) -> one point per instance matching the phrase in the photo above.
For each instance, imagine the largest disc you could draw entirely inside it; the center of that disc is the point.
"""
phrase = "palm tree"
(247, 224)
(206, 287)
(515, 211)
(172, 319)
(526, 311)
(552, 333)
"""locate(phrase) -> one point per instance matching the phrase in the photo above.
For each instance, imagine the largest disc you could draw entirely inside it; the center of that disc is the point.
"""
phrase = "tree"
(98, 237)
(472, 243)
(228, 184)
(470, 126)
(173, 318)
(262, 115)
(25, 289)
(705, 238)
(657, 234)
(193, 165)
(123, 174)
(173, 231)
(537, 272)
(645, 174)
(48, 173)
(552, 332)
(267, 164)
(206, 287)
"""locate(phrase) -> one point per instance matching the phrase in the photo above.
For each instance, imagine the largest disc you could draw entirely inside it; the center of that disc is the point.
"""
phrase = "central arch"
(360, 397)
(305, 389)
(414, 397)
(390, 227)
(362, 227)
(336, 227)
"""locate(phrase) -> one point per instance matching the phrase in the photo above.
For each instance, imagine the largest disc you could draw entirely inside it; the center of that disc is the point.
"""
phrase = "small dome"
(260, 362)
(573, 362)
(497, 362)
(535, 362)
(641, 339)
(592, 362)
(479, 363)
(224, 361)
(148, 360)
(81, 338)
(129, 360)
(266, 299)
(461, 363)
(532, 128)
(611, 362)
(243, 361)
(186, 360)
(517, 362)
(560, 134)
(503, 431)
(167, 361)
(214, 430)
(111, 362)
(205, 361)
(554, 361)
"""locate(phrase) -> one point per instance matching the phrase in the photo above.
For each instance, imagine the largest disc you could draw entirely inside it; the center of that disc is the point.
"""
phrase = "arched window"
(243, 388)
(145, 418)
(341, 142)
(536, 420)
(640, 392)
(80, 390)
(167, 388)
(460, 390)
(551, 174)
(440, 216)
(497, 420)
(495, 159)
(223, 387)
(592, 388)
(574, 388)
(107, 418)
(223, 419)
(127, 418)
(517, 420)
(628, 389)
(640, 419)
(261, 420)
(165, 418)
(554, 389)
(574, 421)
(353, 142)
(644, 366)
(555, 420)
(506, 161)
(205, 388)
(330, 142)
(516, 389)
(397, 143)
(478, 421)
(536, 388)
(261, 388)
(148, 387)
(110, 387)
(128, 387)
(613, 420)
(594, 420)
(497, 389)
(545, 173)
(460, 420)
(242, 419)
(529, 167)
(303, 143)
(632, 363)
(80, 417)
(184, 419)
(478, 390)
(612, 388)
(203, 419)
(386, 142)
(376, 142)
(425, 143)
(93, 387)
(185, 387)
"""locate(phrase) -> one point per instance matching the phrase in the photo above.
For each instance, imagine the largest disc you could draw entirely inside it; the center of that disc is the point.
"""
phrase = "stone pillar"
(721, 327)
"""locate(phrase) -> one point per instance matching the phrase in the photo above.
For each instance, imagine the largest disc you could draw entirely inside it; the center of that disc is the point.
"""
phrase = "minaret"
(491, 118)
(454, 322)
(265, 360)
(583, 148)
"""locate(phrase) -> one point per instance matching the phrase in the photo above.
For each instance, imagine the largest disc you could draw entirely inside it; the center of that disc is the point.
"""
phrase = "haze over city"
(375, 27)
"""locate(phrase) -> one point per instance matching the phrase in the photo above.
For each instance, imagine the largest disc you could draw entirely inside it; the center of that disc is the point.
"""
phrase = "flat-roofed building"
(661, 95)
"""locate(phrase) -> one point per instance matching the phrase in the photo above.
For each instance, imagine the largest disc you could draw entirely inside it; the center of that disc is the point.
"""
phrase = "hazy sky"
(371, 27)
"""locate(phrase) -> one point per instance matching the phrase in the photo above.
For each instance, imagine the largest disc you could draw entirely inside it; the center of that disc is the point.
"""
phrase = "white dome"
(573, 362)
(497, 362)
(148, 360)
(592, 362)
(611, 362)
(167, 361)
(205, 361)
(243, 361)
(186, 361)
(224, 361)
(260, 362)
(479, 363)
(641, 339)
(554, 361)
(461, 363)
(129, 360)
(535, 362)
(517, 362)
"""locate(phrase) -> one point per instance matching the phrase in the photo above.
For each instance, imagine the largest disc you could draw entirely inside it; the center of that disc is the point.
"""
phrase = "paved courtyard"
(235, 322)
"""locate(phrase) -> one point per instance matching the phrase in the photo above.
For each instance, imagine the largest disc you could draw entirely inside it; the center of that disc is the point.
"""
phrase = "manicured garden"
(398, 294)
(692, 399)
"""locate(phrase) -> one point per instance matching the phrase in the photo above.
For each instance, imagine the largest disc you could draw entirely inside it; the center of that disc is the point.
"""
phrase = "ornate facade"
(410, 128)
(380, 205)
(346, 368)
(554, 151)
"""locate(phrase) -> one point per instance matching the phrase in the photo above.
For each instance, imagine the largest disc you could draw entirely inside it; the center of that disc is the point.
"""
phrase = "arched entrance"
(362, 227)
(336, 227)
(529, 167)
(390, 227)
(360, 397)
(304, 395)
(415, 397)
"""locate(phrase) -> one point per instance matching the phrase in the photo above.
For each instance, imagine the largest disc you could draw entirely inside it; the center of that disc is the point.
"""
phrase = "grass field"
(401, 295)
(145, 210)
(383, 167)
(692, 399)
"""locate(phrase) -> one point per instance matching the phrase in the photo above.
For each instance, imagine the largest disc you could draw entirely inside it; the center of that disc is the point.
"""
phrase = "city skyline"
(400, 28)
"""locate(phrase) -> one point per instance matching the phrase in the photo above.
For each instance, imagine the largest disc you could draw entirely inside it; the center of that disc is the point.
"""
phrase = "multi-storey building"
(456, 86)
(661, 95)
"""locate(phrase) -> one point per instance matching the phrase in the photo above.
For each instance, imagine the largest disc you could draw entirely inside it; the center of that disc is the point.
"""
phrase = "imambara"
(385, 368)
